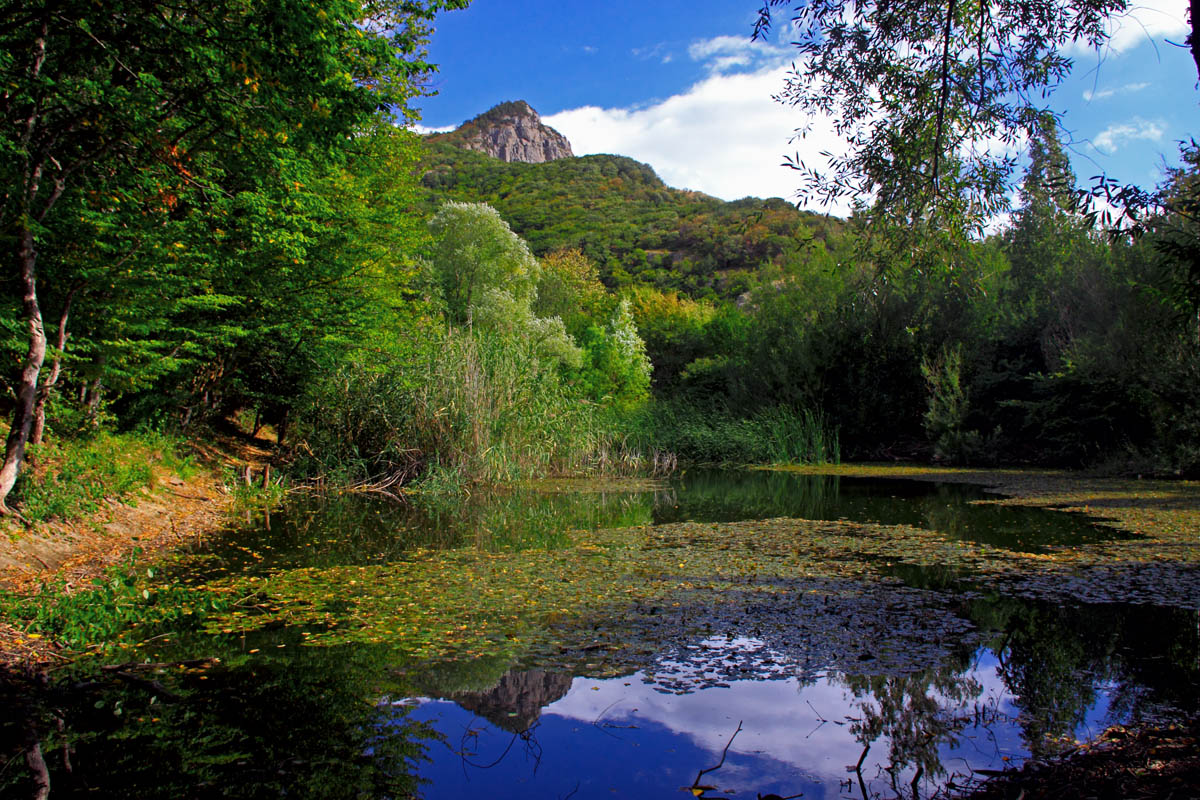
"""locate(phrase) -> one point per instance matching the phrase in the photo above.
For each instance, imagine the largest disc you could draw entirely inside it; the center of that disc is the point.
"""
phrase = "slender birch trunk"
(23, 414)
(43, 393)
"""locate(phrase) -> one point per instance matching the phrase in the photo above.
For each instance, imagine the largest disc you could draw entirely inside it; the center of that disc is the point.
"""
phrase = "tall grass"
(473, 409)
(775, 435)
(486, 409)
(492, 411)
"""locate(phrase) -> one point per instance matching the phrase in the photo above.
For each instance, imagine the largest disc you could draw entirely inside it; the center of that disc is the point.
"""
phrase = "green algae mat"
(1139, 544)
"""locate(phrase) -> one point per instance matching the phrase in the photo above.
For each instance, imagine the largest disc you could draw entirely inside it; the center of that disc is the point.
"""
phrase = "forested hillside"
(1050, 341)
(636, 229)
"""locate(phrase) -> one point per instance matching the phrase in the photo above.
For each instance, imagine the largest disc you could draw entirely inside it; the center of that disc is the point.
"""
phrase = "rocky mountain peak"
(511, 131)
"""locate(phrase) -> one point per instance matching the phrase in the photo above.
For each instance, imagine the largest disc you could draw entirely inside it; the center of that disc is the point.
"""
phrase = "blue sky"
(680, 86)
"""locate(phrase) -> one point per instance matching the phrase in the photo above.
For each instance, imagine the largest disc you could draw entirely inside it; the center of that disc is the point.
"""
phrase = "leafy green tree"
(1047, 238)
(919, 89)
(616, 369)
(1176, 233)
(673, 328)
(172, 109)
(488, 279)
(949, 403)
(475, 251)
(336, 261)
(569, 288)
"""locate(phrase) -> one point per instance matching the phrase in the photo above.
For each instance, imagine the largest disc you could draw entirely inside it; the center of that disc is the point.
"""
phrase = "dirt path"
(175, 513)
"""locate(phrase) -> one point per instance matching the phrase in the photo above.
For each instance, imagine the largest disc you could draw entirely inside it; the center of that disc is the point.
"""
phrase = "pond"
(721, 634)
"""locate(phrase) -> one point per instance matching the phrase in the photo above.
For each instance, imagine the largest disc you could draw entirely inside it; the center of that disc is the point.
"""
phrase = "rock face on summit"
(511, 132)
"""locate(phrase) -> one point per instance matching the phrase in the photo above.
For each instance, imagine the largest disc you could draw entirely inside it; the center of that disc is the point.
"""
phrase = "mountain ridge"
(511, 131)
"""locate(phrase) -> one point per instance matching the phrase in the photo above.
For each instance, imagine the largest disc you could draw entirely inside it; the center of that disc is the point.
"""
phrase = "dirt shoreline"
(176, 513)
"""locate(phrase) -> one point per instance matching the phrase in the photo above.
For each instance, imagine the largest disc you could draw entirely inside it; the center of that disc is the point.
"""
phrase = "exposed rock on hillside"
(510, 132)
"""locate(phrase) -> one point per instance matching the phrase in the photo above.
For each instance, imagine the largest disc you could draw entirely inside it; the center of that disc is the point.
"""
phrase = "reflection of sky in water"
(626, 737)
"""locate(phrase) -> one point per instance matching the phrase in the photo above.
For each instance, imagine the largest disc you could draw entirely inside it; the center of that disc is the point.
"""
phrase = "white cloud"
(722, 53)
(722, 45)
(1104, 94)
(1112, 137)
(591, 51)
(1152, 20)
(776, 714)
(425, 129)
(724, 136)
(660, 52)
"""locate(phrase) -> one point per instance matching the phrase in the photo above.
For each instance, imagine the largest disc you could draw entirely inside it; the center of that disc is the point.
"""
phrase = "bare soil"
(72, 553)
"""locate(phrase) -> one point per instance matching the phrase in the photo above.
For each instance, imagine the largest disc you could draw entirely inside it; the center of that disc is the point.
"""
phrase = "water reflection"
(324, 531)
(908, 686)
(302, 724)
(331, 721)
(828, 734)
(951, 509)
(622, 737)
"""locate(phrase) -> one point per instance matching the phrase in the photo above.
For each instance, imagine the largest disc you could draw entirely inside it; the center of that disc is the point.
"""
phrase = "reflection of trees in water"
(951, 509)
(916, 713)
(320, 531)
(730, 495)
(1053, 659)
(516, 519)
(262, 730)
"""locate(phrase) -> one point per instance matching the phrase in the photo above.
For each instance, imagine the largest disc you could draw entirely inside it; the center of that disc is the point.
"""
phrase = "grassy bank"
(77, 568)
(68, 478)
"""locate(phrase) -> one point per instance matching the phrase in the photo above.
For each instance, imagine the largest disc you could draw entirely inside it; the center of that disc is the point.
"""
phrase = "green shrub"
(946, 417)
(72, 476)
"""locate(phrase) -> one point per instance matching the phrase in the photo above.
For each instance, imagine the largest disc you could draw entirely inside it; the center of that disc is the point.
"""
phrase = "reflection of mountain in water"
(515, 703)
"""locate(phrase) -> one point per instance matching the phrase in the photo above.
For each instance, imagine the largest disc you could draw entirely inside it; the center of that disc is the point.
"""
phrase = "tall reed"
(475, 408)
(713, 435)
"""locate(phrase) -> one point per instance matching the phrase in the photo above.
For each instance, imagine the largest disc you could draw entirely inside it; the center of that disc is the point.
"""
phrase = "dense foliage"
(213, 212)
(1047, 342)
(178, 193)
(636, 229)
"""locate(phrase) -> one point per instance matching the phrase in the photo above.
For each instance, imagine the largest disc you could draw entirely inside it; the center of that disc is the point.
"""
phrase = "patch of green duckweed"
(615, 594)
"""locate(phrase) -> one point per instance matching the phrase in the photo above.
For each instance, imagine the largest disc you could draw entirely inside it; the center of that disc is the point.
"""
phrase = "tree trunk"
(92, 394)
(43, 393)
(41, 774)
(22, 419)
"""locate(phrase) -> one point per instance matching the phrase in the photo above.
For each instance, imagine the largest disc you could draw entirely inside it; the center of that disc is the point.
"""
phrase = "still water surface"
(830, 690)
